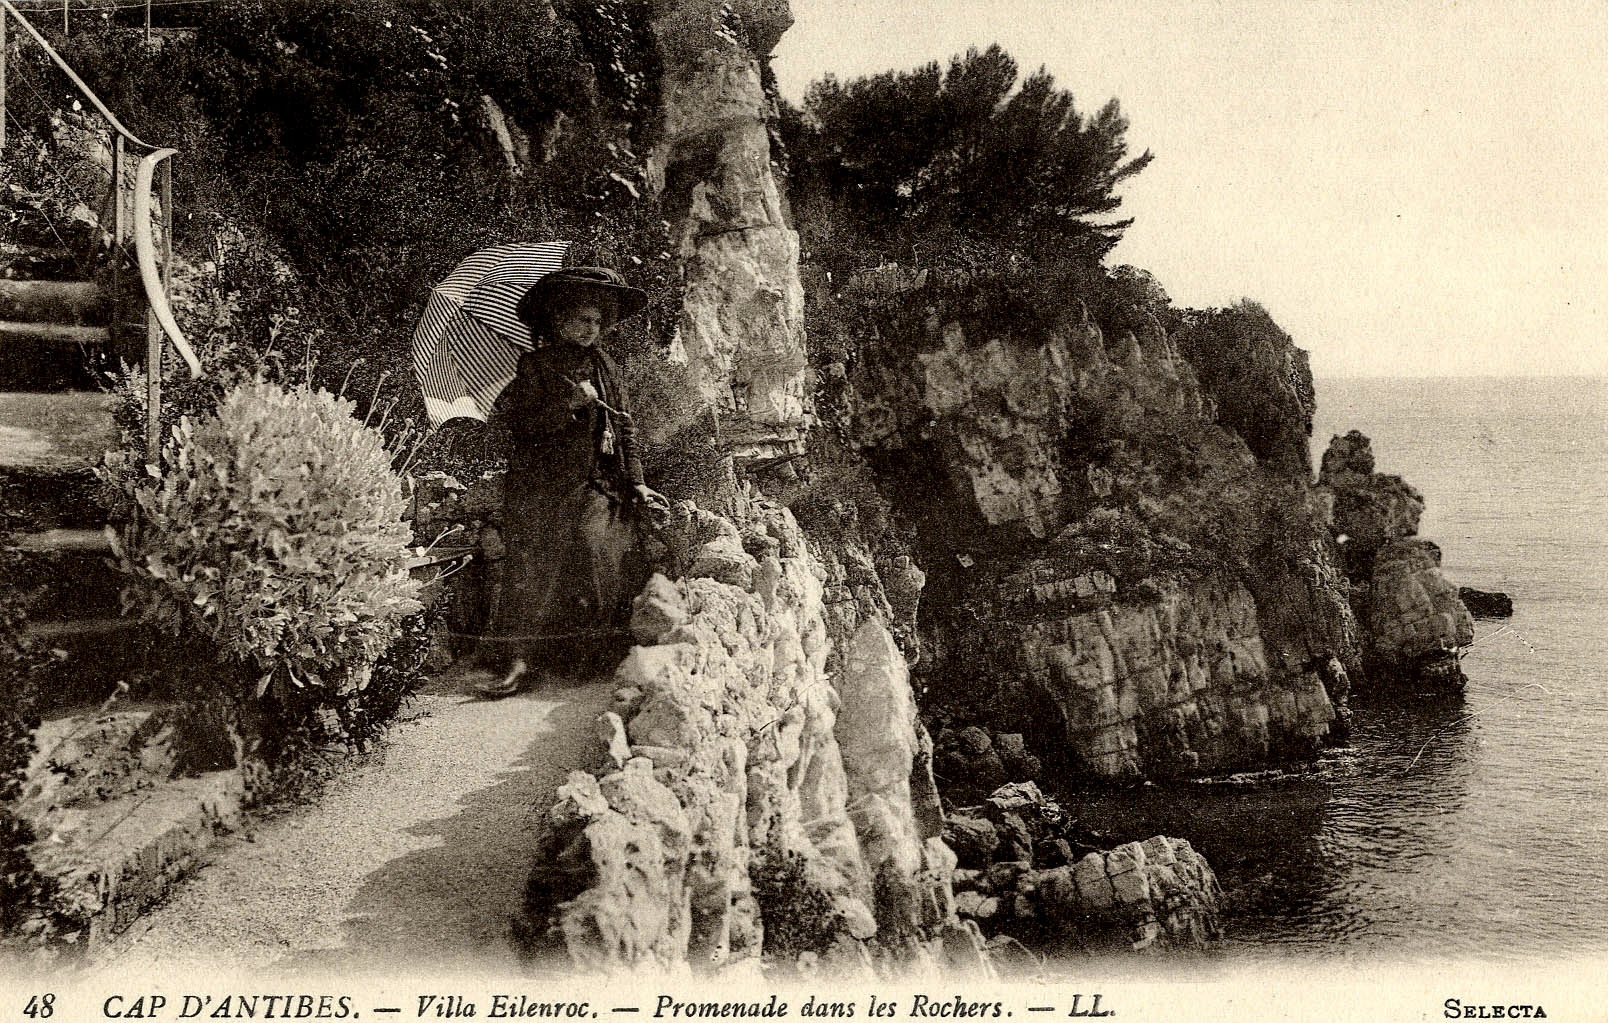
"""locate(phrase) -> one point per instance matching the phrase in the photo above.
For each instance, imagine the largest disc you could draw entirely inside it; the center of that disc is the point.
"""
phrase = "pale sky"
(1416, 188)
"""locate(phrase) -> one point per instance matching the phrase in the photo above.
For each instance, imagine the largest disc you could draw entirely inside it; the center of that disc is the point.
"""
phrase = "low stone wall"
(748, 801)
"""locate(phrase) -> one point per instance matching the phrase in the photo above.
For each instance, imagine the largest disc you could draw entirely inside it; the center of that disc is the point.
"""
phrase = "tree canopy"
(920, 157)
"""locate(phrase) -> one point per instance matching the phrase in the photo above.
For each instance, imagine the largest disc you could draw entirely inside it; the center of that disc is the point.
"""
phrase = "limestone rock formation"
(1153, 895)
(1413, 622)
(1179, 684)
(1370, 508)
(751, 800)
(1043, 883)
(742, 316)
(981, 431)
(995, 410)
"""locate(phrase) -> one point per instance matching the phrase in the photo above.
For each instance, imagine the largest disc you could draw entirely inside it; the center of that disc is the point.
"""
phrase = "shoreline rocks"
(1414, 626)
(1486, 603)
(1029, 879)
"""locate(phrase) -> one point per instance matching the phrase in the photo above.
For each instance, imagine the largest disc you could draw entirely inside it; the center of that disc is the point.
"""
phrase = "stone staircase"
(54, 426)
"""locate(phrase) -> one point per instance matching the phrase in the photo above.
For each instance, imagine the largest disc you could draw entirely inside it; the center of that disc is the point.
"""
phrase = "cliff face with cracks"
(1125, 655)
(742, 319)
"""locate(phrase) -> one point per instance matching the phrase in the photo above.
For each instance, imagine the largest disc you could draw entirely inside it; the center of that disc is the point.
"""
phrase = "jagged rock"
(1370, 509)
(962, 944)
(974, 840)
(1015, 837)
(656, 611)
(724, 560)
(1016, 796)
(1012, 959)
(1414, 623)
(741, 327)
(1052, 852)
(1152, 895)
(877, 734)
(611, 730)
(1485, 603)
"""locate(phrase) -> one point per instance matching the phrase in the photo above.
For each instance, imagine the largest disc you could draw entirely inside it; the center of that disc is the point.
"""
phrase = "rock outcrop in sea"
(1414, 624)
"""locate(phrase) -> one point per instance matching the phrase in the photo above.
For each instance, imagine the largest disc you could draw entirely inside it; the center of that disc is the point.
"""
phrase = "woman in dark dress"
(574, 490)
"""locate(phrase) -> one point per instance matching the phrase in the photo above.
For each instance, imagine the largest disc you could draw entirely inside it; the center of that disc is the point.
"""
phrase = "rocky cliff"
(1145, 593)
(742, 316)
(764, 784)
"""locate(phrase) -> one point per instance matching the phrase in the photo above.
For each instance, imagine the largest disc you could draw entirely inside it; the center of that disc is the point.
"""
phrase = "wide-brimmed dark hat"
(579, 282)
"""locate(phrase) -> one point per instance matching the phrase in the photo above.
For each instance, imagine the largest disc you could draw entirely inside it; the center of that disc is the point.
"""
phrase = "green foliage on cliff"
(1257, 376)
(932, 165)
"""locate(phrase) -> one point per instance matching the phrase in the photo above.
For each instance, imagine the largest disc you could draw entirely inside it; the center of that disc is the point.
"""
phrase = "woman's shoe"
(489, 687)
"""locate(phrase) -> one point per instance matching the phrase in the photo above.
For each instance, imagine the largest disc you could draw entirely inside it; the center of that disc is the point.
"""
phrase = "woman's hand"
(656, 503)
(583, 395)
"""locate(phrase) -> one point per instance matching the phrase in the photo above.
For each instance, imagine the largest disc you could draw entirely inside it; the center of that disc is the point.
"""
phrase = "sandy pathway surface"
(414, 861)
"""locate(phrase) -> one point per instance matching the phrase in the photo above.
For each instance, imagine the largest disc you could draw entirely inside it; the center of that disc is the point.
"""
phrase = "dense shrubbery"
(955, 168)
(1258, 378)
(272, 547)
(276, 531)
(337, 160)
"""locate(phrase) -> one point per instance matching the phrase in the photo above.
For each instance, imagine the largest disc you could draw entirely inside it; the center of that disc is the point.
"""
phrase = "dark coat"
(556, 448)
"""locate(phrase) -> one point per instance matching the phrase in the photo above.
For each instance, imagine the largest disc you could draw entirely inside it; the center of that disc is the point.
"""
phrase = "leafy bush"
(276, 531)
(25, 894)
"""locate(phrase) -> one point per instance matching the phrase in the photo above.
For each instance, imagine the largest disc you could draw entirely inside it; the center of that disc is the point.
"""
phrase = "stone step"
(35, 499)
(85, 541)
(32, 301)
(66, 574)
(65, 630)
(56, 431)
(53, 333)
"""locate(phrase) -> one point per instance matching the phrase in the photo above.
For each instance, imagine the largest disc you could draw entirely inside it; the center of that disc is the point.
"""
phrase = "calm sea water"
(1472, 828)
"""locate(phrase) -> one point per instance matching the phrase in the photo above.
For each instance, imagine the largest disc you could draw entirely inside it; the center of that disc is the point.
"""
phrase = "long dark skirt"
(565, 580)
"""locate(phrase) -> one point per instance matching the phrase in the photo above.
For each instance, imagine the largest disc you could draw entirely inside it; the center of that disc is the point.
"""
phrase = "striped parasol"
(467, 345)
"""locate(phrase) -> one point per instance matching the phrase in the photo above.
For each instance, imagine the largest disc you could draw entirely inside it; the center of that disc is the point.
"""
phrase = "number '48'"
(40, 1007)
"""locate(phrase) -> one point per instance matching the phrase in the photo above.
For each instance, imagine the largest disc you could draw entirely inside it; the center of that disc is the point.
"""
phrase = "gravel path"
(415, 861)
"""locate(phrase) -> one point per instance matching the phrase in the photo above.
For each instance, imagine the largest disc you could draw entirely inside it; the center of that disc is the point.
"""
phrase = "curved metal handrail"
(145, 253)
(72, 76)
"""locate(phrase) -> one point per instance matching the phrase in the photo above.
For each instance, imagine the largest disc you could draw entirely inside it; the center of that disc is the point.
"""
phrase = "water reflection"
(1303, 859)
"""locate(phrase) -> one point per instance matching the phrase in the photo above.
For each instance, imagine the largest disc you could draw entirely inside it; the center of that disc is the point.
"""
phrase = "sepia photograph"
(803, 509)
